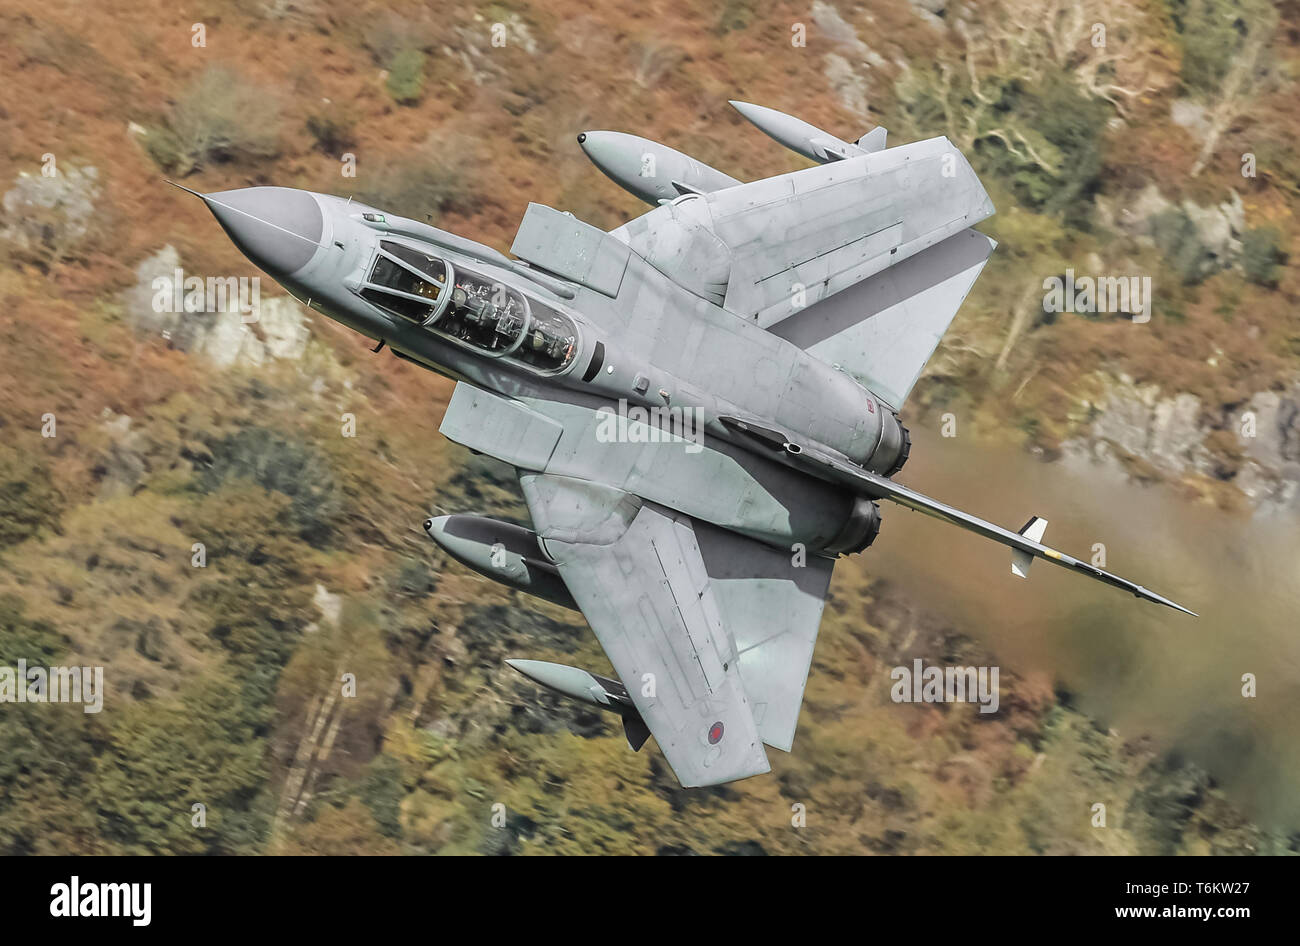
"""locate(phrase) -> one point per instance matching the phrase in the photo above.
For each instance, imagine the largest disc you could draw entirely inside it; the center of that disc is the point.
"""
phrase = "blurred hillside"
(173, 429)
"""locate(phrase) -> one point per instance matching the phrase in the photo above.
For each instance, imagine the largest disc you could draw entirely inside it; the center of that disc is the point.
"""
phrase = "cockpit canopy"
(462, 305)
(405, 281)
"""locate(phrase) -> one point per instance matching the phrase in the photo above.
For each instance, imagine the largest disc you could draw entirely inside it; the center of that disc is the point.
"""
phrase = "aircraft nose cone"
(278, 228)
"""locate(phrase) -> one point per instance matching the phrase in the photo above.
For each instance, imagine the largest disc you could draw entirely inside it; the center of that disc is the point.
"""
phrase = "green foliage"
(1041, 139)
(278, 464)
(415, 578)
(67, 785)
(1262, 255)
(162, 759)
(349, 830)
(333, 131)
(1212, 34)
(34, 641)
(29, 502)
(47, 764)
(1056, 166)
(46, 778)
(398, 45)
(257, 624)
(486, 485)
(381, 791)
(253, 598)
(736, 15)
(220, 117)
(406, 77)
(1169, 801)
(1178, 238)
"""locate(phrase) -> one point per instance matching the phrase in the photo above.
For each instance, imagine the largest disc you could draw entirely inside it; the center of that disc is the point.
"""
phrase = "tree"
(1225, 60)
(163, 758)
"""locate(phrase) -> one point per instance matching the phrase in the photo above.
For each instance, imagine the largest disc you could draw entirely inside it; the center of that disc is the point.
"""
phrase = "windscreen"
(419, 291)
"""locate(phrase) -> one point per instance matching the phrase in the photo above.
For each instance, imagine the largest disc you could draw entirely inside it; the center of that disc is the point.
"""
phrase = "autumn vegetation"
(227, 682)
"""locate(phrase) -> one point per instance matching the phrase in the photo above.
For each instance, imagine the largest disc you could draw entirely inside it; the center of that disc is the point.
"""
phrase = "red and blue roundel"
(715, 733)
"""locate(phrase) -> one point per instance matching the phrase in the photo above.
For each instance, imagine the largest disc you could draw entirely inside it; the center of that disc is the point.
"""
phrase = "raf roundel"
(715, 733)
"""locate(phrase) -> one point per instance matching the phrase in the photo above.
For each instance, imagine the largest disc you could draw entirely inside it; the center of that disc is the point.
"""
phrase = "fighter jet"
(702, 404)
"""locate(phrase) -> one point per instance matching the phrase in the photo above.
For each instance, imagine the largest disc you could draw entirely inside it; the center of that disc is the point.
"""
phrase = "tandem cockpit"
(462, 305)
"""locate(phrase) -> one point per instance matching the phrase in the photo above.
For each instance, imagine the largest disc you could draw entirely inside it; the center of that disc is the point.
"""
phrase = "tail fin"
(1020, 559)
(873, 140)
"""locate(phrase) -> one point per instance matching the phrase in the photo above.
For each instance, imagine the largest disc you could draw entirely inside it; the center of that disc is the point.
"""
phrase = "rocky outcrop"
(1271, 469)
(473, 46)
(1198, 240)
(848, 68)
(123, 463)
(46, 218)
(1255, 447)
(247, 330)
(932, 11)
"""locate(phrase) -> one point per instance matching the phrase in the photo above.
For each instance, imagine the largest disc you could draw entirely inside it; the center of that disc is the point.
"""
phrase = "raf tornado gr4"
(702, 404)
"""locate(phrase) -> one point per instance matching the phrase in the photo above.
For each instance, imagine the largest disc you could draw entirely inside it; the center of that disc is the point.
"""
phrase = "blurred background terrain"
(1169, 150)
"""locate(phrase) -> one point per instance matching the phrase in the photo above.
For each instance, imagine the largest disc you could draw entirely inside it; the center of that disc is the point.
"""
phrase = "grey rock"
(1218, 227)
(123, 465)
(847, 68)
(279, 329)
(848, 84)
(1190, 115)
(50, 216)
(1168, 432)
